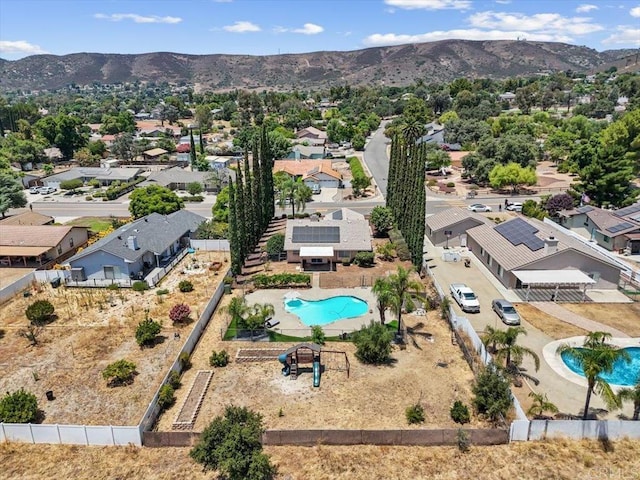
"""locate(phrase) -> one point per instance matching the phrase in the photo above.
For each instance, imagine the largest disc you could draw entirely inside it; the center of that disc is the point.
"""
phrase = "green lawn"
(95, 224)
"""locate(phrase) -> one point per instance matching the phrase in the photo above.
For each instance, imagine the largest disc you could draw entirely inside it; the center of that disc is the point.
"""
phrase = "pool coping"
(554, 360)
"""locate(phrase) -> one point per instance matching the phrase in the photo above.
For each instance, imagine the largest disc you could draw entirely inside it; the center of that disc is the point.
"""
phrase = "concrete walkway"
(568, 316)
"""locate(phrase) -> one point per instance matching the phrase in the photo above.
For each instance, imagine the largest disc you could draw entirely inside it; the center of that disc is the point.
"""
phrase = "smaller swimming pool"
(322, 312)
(624, 373)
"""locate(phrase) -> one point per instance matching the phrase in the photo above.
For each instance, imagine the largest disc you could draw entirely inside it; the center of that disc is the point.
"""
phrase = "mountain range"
(392, 66)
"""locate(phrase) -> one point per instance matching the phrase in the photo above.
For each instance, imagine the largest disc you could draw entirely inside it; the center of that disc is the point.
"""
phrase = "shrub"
(460, 413)
(116, 190)
(40, 312)
(432, 183)
(450, 184)
(185, 286)
(94, 182)
(275, 245)
(120, 372)
(281, 280)
(72, 184)
(492, 394)
(382, 219)
(185, 361)
(364, 259)
(231, 444)
(166, 396)
(174, 380)
(317, 334)
(147, 331)
(414, 414)
(373, 344)
(140, 286)
(19, 407)
(193, 199)
(179, 313)
(194, 188)
(219, 359)
(113, 286)
(162, 291)
(463, 440)
(346, 262)
(88, 198)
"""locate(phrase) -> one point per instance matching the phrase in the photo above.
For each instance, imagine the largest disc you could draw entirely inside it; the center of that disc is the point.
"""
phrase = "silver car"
(506, 311)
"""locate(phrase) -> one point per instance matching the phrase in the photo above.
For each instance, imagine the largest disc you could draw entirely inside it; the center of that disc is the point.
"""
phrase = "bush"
(194, 188)
(460, 413)
(275, 245)
(19, 407)
(40, 312)
(364, 259)
(115, 190)
(99, 194)
(179, 313)
(94, 182)
(373, 344)
(174, 380)
(282, 280)
(463, 440)
(193, 199)
(147, 331)
(450, 184)
(185, 286)
(185, 361)
(140, 286)
(382, 219)
(162, 291)
(120, 372)
(492, 393)
(166, 396)
(219, 359)
(231, 444)
(113, 286)
(317, 334)
(88, 198)
(72, 184)
(346, 262)
(414, 414)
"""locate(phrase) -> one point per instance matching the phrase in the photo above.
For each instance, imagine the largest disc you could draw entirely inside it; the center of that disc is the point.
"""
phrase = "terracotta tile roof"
(33, 236)
(305, 168)
(27, 218)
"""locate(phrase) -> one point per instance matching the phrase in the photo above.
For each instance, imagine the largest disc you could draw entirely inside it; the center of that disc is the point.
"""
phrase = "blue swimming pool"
(321, 312)
(624, 373)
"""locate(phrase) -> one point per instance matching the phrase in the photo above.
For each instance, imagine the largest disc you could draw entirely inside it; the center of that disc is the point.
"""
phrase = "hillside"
(396, 65)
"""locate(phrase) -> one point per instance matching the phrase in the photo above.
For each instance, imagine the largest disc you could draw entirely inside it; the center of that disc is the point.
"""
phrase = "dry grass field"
(548, 324)
(96, 327)
(623, 316)
(559, 459)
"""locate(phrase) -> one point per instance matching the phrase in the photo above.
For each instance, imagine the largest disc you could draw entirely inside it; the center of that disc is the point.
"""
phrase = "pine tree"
(192, 151)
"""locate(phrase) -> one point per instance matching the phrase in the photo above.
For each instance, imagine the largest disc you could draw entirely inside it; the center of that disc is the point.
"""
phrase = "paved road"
(375, 156)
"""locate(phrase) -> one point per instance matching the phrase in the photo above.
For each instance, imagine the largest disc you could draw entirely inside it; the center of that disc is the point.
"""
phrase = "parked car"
(479, 207)
(506, 311)
(465, 297)
(34, 189)
(514, 207)
(46, 190)
(315, 189)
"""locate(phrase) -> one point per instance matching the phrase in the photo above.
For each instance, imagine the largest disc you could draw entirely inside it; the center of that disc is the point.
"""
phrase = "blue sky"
(265, 27)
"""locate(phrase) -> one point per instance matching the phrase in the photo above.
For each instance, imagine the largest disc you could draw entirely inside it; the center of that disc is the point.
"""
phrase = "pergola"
(8, 252)
(554, 278)
(316, 252)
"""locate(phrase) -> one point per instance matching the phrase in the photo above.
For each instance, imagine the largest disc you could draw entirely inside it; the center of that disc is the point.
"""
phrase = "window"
(71, 242)
(606, 239)
(482, 251)
(489, 260)
(59, 249)
(500, 271)
(317, 260)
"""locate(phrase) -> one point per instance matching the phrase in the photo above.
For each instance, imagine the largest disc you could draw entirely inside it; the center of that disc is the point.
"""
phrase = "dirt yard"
(623, 316)
(560, 460)
(95, 327)
(548, 324)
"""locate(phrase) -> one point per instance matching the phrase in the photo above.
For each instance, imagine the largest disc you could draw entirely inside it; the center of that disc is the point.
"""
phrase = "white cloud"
(430, 4)
(118, 17)
(242, 27)
(551, 24)
(20, 47)
(379, 39)
(586, 7)
(624, 36)
(503, 2)
(635, 12)
(309, 29)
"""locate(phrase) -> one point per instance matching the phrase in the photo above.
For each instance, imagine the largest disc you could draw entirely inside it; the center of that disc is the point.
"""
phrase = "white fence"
(13, 288)
(523, 430)
(220, 245)
(48, 275)
(70, 434)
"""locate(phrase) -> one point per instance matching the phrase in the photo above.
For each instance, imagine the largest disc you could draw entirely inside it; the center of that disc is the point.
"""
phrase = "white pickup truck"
(465, 297)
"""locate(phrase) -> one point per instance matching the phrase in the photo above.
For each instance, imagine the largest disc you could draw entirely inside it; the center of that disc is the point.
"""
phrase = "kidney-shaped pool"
(322, 312)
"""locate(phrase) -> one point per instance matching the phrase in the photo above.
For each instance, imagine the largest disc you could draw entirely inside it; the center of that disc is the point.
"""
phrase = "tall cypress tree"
(241, 214)
(236, 257)
(201, 143)
(192, 151)
(253, 230)
(257, 195)
(267, 161)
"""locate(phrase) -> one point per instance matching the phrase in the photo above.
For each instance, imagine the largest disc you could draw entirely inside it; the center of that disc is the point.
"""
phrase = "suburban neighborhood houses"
(234, 276)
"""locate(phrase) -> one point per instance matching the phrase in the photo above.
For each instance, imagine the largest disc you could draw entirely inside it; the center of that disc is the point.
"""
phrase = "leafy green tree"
(382, 219)
(122, 122)
(540, 404)
(317, 335)
(492, 393)
(123, 146)
(48, 168)
(437, 159)
(373, 344)
(97, 148)
(275, 245)
(64, 131)
(72, 184)
(14, 149)
(11, 193)
(153, 198)
(166, 396)
(279, 144)
(40, 312)
(194, 188)
(358, 141)
(595, 358)
(512, 175)
(632, 395)
(231, 444)
(120, 372)
(147, 331)
(19, 407)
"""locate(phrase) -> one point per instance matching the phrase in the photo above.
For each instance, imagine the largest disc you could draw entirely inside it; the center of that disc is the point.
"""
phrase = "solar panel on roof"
(315, 234)
(520, 232)
(584, 209)
(619, 227)
(623, 212)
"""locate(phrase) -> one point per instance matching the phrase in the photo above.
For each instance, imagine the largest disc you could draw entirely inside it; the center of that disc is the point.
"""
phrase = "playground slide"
(316, 373)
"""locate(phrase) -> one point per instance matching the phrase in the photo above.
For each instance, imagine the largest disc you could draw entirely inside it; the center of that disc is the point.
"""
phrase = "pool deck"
(290, 324)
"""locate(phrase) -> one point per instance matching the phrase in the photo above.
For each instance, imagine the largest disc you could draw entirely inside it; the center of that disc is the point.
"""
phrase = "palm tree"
(596, 357)
(402, 286)
(237, 308)
(258, 314)
(386, 251)
(632, 395)
(513, 353)
(293, 191)
(540, 405)
(383, 292)
(492, 336)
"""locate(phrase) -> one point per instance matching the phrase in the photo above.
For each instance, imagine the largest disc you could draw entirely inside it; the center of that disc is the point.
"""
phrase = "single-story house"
(507, 97)
(177, 178)
(435, 134)
(312, 133)
(337, 237)
(136, 249)
(514, 249)
(299, 152)
(312, 172)
(27, 218)
(186, 140)
(53, 154)
(609, 229)
(106, 176)
(154, 153)
(449, 227)
(21, 245)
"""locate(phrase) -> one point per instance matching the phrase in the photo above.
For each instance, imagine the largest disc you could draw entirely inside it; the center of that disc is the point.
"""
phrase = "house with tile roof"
(135, 250)
(38, 245)
(27, 218)
(311, 172)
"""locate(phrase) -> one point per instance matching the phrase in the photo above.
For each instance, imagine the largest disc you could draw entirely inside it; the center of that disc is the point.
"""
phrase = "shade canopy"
(553, 277)
(316, 252)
